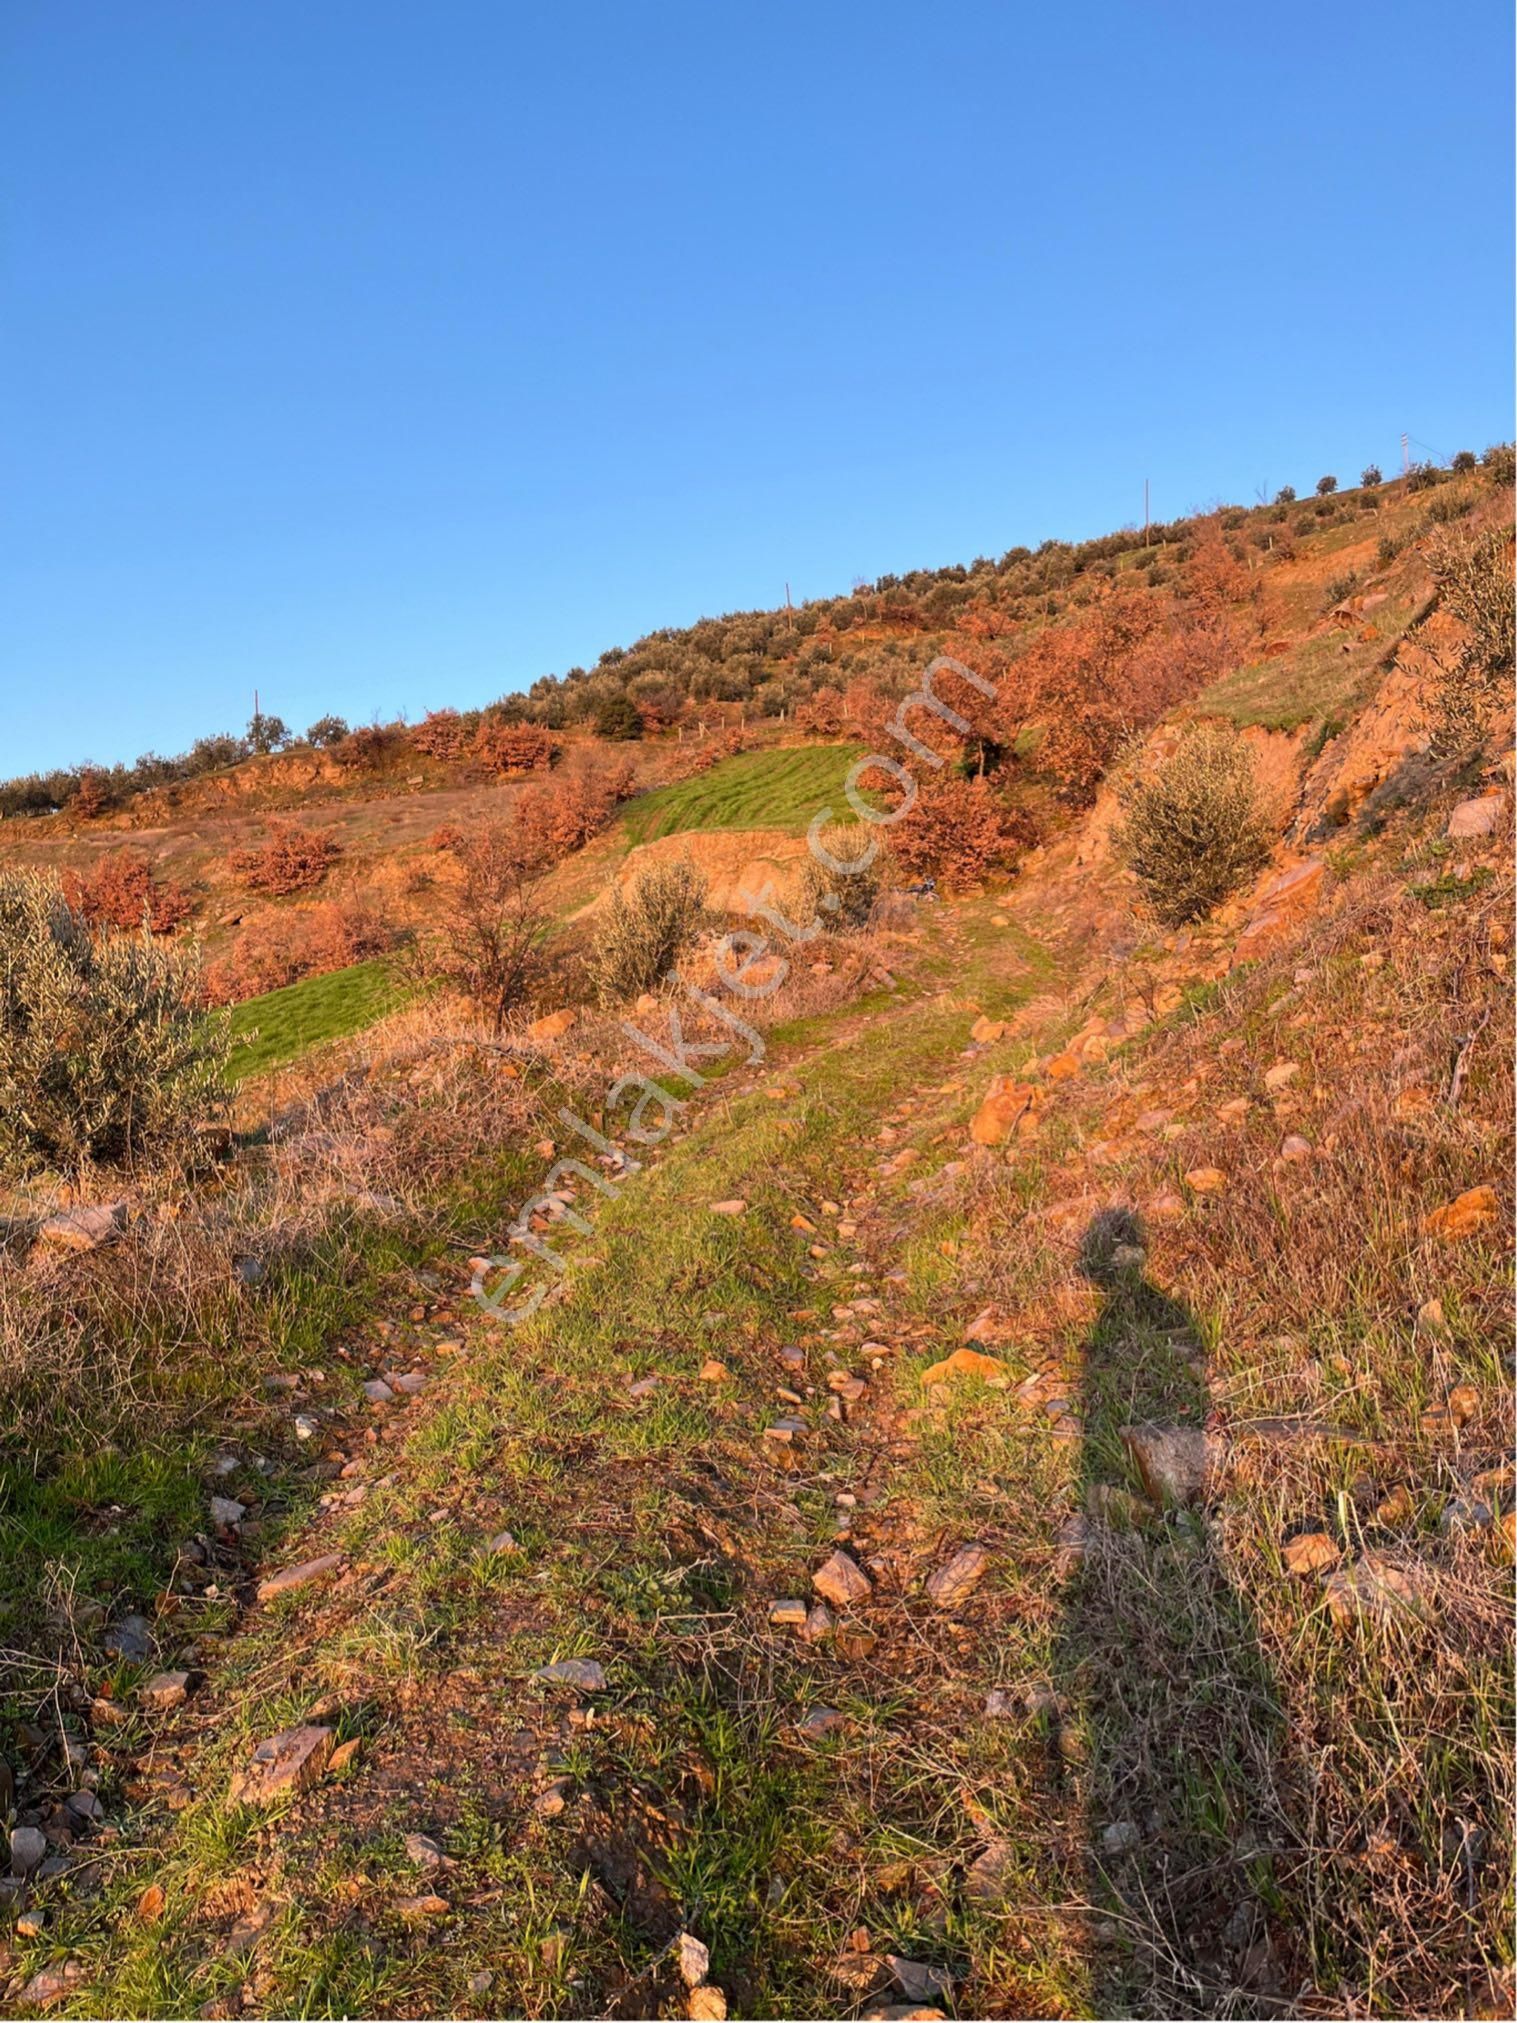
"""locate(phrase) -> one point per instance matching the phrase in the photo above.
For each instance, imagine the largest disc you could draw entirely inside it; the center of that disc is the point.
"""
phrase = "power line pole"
(1145, 512)
(1406, 458)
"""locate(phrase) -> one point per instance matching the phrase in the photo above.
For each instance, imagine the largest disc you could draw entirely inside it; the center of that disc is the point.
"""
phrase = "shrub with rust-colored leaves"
(659, 704)
(1085, 687)
(335, 934)
(513, 748)
(280, 948)
(945, 710)
(822, 715)
(447, 836)
(561, 815)
(960, 831)
(372, 747)
(294, 859)
(1215, 579)
(91, 796)
(263, 957)
(442, 734)
(121, 891)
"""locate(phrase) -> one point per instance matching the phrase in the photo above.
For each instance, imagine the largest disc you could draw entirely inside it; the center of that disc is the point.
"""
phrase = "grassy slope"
(1187, 1684)
(1197, 1690)
(283, 1023)
(777, 789)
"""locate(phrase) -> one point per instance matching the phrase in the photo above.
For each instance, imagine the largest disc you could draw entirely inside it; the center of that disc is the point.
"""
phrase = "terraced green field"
(284, 1023)
(756, 790)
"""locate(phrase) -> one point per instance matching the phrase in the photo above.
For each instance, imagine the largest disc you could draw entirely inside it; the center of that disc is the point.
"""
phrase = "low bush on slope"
(104, 1053)
(1194, 825)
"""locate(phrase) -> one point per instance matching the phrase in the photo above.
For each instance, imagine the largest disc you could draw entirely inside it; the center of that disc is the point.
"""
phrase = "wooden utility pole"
(1145, 512)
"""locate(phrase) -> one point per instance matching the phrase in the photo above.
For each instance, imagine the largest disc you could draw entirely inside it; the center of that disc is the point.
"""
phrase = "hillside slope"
(1009, 1511)
(1289, 612)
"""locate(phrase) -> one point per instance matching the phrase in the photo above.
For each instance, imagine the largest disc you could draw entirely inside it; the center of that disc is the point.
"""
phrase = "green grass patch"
(283, 1023)
(1315, 680)
(780, 789)
(1449, 890)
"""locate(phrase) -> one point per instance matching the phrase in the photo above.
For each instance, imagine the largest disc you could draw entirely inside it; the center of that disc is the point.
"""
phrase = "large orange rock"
(1006, 1104)
(968, 1363)
(1471, 1212)
(1288, 897)
(1295, 890)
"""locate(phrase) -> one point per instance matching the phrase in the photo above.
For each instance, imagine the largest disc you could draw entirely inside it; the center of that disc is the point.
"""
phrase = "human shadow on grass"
(1170, 1743)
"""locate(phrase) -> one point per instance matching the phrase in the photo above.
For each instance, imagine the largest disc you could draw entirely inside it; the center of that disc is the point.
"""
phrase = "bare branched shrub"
(104, 1055)
(1195, 828)
(485, 935)
(842, 897)
(645, 930)
(1474, 575)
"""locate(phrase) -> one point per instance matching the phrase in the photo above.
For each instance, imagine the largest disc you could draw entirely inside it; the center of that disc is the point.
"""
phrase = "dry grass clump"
(104, 1055)
(1473, 572)
(643, 930)
(1196, 828)
(133, 1342)
(123, 1359)
(841, 884)
(395, 1120)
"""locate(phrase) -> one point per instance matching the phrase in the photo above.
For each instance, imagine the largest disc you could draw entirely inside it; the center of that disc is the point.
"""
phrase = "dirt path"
(594, 1488)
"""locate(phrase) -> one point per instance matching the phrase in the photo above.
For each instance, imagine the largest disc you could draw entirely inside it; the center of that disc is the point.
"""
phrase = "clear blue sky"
(385, 354)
